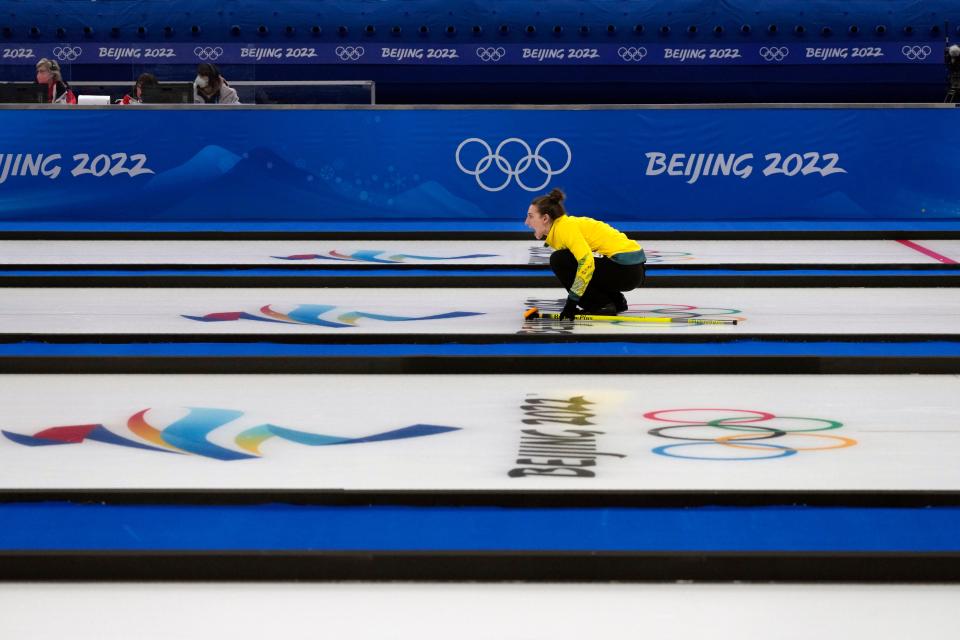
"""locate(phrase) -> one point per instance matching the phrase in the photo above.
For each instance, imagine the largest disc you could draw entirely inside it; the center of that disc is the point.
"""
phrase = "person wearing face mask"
(211, 88)
(593, 283)
(58, 91)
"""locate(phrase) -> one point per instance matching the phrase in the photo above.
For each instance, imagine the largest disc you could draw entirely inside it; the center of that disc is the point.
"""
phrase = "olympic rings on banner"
(774, 54)
(632, 54)
(754, 425)
(349, 54)
(916, 52)
(208, 53)
(491, 54)
(66, 53)
(510, 172)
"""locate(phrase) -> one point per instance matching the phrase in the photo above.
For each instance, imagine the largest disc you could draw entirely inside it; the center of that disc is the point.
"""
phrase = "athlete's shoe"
(621, 302)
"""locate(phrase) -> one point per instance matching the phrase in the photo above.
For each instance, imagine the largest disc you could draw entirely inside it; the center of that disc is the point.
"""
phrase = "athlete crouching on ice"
(593, 284)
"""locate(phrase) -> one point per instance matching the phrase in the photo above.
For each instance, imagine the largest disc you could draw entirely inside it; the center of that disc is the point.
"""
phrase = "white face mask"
(201, 82)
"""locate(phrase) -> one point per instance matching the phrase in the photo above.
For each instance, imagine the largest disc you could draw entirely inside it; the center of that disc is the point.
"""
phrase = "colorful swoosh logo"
(375, 256)
(189, 435)
(311, 314)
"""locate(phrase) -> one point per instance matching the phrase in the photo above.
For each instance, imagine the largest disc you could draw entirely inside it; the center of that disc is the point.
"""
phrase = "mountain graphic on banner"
(431, 197)
(262, 183)
(208, 164)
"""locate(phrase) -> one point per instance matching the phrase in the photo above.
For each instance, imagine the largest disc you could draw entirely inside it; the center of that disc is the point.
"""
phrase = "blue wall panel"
(276, 165)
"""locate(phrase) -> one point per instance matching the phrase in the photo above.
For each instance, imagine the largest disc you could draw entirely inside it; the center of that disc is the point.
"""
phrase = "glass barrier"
(259, 92)
(297, 92)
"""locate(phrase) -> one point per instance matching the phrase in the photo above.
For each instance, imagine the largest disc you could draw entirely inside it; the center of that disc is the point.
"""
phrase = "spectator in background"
(211, 88)
(58, 91)
(136, 94)
(952, 59)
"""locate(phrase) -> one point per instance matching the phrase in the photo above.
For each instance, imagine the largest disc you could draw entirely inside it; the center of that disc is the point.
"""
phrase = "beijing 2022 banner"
(248, 164)
(488, 54)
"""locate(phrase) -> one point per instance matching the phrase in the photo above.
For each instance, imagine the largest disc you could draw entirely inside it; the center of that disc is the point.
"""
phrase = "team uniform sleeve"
(575, 242)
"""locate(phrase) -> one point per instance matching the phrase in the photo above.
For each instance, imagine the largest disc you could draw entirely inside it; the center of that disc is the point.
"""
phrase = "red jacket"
(60, 93)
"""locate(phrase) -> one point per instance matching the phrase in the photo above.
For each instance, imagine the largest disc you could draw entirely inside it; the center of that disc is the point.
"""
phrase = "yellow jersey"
(583, 236)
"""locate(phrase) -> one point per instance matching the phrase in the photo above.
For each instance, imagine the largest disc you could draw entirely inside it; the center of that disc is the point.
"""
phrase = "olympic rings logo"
(632, 54)
(349, 54)
(661, 257)
(208, 53)
(774, 54)
(67, 53)
(530, 158)
(665, 310)
(741, 434)
(491, 54)
(916, 52)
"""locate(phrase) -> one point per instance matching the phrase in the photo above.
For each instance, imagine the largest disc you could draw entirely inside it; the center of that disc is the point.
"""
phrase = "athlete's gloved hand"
(569, 310)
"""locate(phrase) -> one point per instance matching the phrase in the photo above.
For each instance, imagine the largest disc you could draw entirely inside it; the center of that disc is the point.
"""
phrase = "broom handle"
(556, 316)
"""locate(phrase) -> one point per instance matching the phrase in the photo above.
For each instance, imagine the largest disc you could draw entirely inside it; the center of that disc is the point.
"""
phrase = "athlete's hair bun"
(551, 204)
(556, 195)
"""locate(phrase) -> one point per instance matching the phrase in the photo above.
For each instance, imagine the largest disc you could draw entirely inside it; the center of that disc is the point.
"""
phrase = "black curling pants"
(609, 278)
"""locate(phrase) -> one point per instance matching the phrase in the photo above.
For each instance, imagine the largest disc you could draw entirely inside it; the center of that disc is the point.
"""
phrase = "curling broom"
(534, 313)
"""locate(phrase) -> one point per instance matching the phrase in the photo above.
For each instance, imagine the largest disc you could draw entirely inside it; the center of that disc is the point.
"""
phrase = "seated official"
(58, 91)
(211, 88)
(146, 80)
(951, 57)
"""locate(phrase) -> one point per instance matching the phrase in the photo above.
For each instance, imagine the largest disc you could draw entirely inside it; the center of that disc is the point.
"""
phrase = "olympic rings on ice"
(753, 429)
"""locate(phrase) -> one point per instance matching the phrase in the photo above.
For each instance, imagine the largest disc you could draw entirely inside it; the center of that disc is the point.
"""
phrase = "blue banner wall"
(275, 165)
(490, 54)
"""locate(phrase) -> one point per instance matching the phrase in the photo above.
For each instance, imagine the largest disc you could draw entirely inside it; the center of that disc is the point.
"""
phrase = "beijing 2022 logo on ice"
(188, 435)
(495, 169)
